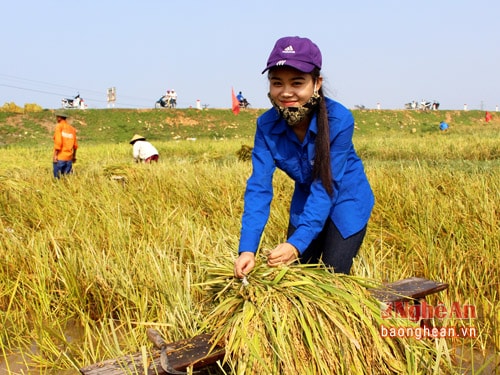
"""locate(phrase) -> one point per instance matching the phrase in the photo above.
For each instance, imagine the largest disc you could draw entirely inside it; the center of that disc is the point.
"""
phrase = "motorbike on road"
(244, 103)
(165, 102)
(74, 103)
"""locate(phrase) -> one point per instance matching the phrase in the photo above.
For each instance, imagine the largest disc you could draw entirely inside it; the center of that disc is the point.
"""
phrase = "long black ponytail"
(322, 164)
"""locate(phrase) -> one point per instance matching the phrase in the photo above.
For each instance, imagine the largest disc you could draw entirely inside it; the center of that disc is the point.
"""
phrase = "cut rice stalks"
(303, 319)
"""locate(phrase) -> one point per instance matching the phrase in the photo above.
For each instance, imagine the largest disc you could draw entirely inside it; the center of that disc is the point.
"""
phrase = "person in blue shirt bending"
(309, 137)
(443, 126)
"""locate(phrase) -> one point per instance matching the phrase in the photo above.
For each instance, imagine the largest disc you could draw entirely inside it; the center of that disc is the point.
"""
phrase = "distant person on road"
(240, 97)
(143, 151)
(242, 101)
(168, 98)
(443, 126)
(173, 99)
(309, 137)
(65, 146)
(488, 116)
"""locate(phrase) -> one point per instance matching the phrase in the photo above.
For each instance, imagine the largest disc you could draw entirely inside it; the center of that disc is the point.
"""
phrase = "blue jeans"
(334, 250)
(62, 167)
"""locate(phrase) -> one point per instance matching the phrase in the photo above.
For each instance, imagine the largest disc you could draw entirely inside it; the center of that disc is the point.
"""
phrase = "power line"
(48, 92)
(48, 83)
(84, 91)
(24, 88)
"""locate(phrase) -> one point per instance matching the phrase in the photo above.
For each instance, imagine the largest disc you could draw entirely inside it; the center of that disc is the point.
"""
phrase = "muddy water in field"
(474, 362)
(21, 364)
(24, 362)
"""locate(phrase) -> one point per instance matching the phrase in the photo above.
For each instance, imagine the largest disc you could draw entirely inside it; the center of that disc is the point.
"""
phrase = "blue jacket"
(276, 145)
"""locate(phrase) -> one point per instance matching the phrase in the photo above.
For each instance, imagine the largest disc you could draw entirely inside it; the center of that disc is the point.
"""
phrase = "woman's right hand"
(244, 264)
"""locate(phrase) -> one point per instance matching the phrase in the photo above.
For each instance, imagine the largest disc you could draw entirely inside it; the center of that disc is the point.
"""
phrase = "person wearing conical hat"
(143, 151)
(65, 146)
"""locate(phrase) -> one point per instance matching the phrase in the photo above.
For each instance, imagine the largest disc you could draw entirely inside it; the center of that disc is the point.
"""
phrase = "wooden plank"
(407, 289)
(194, 352)
(181, 354)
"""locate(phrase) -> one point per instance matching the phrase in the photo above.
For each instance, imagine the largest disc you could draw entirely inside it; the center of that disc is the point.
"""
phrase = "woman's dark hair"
(322, 166)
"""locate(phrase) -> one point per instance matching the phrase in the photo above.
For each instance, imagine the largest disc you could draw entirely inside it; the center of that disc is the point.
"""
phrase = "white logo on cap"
(281, 62)
(288, 49)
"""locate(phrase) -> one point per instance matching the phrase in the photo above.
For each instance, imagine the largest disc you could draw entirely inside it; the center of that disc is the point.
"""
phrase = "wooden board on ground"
(407, 289)
(193, 352)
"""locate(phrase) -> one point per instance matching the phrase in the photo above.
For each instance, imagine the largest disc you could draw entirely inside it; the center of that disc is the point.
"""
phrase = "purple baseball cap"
(299, 53)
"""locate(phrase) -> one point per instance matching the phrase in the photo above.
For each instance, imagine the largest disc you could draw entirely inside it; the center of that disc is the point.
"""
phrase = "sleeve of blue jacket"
(258, 195)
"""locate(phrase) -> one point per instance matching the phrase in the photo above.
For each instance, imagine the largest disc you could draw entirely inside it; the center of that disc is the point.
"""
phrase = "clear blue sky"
(387, 52)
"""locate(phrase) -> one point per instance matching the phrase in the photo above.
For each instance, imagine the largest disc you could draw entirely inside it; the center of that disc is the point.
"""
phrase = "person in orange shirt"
(65, 146)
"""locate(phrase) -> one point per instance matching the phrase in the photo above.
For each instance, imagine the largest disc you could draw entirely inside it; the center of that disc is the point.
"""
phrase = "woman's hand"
(284, 253)
(244, 264)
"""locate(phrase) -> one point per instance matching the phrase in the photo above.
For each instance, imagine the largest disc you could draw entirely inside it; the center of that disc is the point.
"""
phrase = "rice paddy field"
(89, 262)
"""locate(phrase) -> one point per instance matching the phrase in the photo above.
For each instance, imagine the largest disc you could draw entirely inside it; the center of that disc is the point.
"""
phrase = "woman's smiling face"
(289, 87)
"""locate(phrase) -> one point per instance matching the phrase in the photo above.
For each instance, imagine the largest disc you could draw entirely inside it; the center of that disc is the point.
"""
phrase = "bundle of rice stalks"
(244, 153)
(116, 170)
(302, 319)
